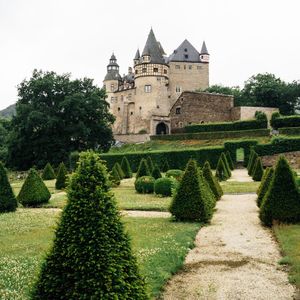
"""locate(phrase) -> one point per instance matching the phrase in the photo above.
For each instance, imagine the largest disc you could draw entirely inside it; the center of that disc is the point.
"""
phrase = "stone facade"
(248, 112)
(292, 157)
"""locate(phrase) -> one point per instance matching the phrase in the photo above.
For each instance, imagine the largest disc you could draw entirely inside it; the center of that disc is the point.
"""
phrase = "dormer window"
(186, 56)
(146, 58)
(155, 70)
(185, 49)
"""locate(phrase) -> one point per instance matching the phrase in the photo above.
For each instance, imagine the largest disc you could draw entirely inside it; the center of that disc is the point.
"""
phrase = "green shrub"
(281, 203)
(143, 169)
(48, 172)
(286, 121)
(261, 116)
(275, 115)
(177, 174)
(191, 201)
(290, 130)
(156, 172)
(258, 170)
(221, 170)
(120, 171)
(212, 181)
(212, 199)
(229, 160)
(250, 162)
(150, 164)
(91, 257)
(223, 156)
(165, 166)
(61, 177)
(34, 191)
(73, 159)
(126, 167)
(264, 186)
(164, 186)
(8, 201)
(144, 184)
(252, 166)
(114, 176)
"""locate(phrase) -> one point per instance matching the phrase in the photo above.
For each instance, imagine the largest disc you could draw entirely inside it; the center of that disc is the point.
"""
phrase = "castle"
(142, 100)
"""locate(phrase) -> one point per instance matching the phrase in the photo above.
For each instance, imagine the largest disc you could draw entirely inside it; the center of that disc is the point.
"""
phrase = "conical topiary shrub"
(264, 186)
(143, 169)
(48, 172)
(258, 170)
(91, 257)
(212, 181)
(229, 159)
(120, 171)
(34, 191)
(211, 199)
(165, 166)
(8, 201)
(114, 176)
(150, 164)
(191, 201)
(281, 203)
(156, 172)
(223, 156)
(250, 160)
(126, 167)
(61, 177)
(221, 170)
(251, 167)
(262, 180)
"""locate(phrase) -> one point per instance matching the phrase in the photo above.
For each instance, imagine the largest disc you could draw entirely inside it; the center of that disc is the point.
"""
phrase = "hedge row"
(289, 121)
(213, 135)
(177, 158)
(290, 130)
(278, 145)
(228, 126)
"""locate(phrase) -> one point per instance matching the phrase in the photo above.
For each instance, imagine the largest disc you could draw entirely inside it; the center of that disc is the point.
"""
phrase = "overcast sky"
(243, 37)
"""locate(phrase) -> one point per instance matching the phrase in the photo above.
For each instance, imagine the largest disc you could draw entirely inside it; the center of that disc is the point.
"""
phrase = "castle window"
(131, 113)
(190, 67)
(177, 67)
(157, 106)
(147, 88)
(186, 56)
(178, 111)
(119, 108)
(140, 108)
(180, 124)
(155, 70)
(112, 87)
(185, 49)
(201, 56)
(144, 70)
(136, 71)
(165, 71)
(178, 89)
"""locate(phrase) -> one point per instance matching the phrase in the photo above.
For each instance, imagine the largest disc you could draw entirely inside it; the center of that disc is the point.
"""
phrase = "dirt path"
(234, 258)
(240, 175)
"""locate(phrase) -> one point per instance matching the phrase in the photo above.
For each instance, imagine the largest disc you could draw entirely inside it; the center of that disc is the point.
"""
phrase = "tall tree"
(55, 116)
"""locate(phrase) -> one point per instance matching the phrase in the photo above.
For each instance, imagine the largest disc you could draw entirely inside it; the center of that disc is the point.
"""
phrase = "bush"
(250, 162)
(164, 186)
(290, 130)
(229, 160)
(212, 181)
(120, 171)
(288, 121)
(264, 186)
(144, 185)
(258, 170)
(34, 191)
(221, 170)
(261, 116)
(177, 174)
(191, 201)
(143, 169)
(156, 172)
(252, 166)
(48, 172)
(126, 167)
(91, 257)
(274, 117)
(61, 177)
(281, 203)
(114, 176)
(223, 156)
(165, 166)
(8, 201)
(150, 164)
(73, 159)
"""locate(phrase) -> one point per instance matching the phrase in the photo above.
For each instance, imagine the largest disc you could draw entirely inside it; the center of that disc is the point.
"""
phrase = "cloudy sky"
(243, 37)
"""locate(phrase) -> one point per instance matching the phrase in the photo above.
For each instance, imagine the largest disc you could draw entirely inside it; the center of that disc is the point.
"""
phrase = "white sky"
(244, 37)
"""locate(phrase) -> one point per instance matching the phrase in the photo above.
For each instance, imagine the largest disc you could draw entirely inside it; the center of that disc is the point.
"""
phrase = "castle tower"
(204, 55)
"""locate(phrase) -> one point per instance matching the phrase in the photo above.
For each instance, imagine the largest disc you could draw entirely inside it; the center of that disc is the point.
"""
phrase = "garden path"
(234, 258)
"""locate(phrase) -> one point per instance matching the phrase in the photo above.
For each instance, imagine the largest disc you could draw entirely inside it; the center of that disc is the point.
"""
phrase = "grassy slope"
(159, 244)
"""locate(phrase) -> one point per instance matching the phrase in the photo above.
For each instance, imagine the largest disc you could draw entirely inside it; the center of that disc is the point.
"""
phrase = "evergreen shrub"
(221, 170)
(251, 167)
(150, 164)
(165, 166)
(34, 191)
(126, 167)
(258, 170)
(212, 181)
(61, 177)
(164, 186)
(144, 185)
(177, 174)
(224, 158)
(156, 172)
(48, 172)
(264, 186)
(143, 169)
(8, 201)
(120, 171)
(114, 176)
(91, 257)
(229, 160)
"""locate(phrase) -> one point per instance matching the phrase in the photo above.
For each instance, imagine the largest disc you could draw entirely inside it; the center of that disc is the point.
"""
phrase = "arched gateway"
(162, 128)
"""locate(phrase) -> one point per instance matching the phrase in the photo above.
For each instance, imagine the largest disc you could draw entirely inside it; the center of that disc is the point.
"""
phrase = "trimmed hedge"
(48, 172)
(229, 160)
(164, 186)
(120, 171)
(212, 181)
(144, 184)
(61, 178)
(251, 167)
(288, 121)
(156, 172)
(264, 186)
(177, 174)
(221, 170)
(143, 169)
(126, 168)
(165, 166)
(213, 135)
(150, 164)
(223, 156)
(258, 170)
(114, 176)
(227, 126)
(290, 130)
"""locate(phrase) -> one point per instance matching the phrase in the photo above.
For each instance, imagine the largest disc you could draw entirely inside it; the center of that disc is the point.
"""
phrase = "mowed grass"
(159, 244)
(236, 187)
(288, 237)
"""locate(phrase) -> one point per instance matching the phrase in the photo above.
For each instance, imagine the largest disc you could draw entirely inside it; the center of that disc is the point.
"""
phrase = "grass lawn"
(288, 237)
(239, 187)
(159, 244)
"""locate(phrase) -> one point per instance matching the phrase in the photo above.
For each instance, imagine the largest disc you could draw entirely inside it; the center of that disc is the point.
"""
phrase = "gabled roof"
(185, 52)
(204, 49)
(154, 49)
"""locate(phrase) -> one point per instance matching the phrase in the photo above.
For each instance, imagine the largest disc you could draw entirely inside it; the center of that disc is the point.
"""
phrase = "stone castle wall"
(292, 157)
(248, 112)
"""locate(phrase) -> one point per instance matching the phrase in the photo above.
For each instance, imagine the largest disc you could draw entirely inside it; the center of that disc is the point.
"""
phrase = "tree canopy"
(55, 116)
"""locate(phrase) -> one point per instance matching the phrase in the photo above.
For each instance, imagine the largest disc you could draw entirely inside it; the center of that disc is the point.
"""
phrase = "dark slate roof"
(154, 49)
(113, 75)
(204, 49)
(137, 55)
(185, 52)
(113, 56)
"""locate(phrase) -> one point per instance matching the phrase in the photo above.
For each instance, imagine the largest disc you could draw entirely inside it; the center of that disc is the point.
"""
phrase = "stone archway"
(162, 128)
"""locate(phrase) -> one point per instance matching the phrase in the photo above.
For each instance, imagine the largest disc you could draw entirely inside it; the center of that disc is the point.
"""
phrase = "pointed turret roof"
(137, 54)
(185, 52)
(204, 49)
(113, 56)
(154, 49)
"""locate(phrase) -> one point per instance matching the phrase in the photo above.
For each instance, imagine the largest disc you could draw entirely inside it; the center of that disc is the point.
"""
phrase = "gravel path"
(240, 175)
(146, 214)
(234, 258)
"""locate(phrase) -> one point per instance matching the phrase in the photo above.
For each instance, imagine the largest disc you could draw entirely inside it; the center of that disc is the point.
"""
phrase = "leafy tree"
(150, 164)
(55, 116)
(126, 167)
(156, 172)
(165, 166)
(281, 203)
(8, 201)
(229, 160)
(5, 127)
(191, 201)
(91, 257)
(48, 172)
(34, 191)
(264, 186)
(143, 169)
(61, 177)
(221, 170)
(212, 181)
(258, 170)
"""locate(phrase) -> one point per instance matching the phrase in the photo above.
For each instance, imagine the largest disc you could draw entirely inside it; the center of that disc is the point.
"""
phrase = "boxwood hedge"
(288, 121)
(290, 130)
